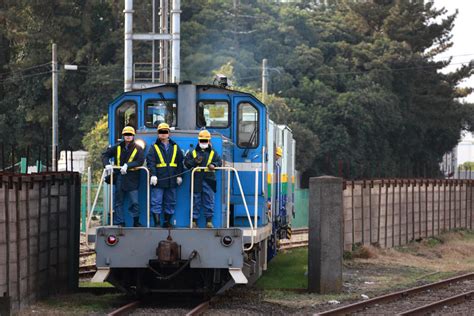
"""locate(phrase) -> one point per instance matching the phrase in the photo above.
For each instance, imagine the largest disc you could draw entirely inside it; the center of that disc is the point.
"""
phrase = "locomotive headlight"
(221, 80)
(227, 241)
(140, 143)
(111, 240)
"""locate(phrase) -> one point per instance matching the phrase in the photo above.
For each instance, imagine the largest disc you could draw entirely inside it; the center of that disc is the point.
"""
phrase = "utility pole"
(264, 80)
(54, 116)
(175, 42)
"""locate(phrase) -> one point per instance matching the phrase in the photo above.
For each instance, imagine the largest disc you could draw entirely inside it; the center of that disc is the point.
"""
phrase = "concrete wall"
(39, 235)
(390, 213)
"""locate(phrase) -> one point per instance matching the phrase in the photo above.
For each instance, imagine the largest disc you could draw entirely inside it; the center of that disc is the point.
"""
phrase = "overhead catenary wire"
(16, 78)
(24, 69)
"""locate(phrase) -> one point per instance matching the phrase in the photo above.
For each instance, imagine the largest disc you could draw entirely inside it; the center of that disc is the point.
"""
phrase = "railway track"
(415, 301)
(87, 271)
(125, 309)
(298, 239)
(86, 253)
(200, 309)
(135, 306)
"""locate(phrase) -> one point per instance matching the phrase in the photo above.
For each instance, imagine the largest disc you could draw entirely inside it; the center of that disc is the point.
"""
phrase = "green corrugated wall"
(301, 208)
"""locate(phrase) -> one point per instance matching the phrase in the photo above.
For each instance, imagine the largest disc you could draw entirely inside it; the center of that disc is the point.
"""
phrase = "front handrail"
(91, 210)
(111, 196)
(147, 194)
(253, 226)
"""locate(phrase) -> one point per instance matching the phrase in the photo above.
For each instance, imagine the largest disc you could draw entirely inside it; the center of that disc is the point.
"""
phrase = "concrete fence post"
(325, 249)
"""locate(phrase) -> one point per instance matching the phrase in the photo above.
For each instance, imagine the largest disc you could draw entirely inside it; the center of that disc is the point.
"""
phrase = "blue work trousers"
(163, 199)
(133, 206)
(204, 200)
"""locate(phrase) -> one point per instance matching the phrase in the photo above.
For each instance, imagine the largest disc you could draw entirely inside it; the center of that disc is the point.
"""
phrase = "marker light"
(227, 241)
(111, 240)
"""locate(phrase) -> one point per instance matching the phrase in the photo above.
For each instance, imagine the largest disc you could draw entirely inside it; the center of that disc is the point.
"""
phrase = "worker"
(165, 162)
(278, 185)
(204, 179)
(128, 156)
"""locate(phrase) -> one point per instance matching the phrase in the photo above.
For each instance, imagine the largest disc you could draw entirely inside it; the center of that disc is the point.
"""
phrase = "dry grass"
(365, 252)
(449, 252)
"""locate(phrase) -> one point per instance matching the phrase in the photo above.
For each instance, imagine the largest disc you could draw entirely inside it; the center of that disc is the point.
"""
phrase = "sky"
(463, 39)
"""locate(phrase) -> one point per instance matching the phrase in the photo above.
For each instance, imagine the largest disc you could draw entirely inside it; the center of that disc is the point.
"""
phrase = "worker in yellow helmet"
(279, 152)
(165, 162)
(276, 183)
(204, 179)
(127, 155)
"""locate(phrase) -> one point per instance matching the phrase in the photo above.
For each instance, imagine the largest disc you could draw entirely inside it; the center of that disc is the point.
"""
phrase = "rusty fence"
(393, 212)
(39, 236)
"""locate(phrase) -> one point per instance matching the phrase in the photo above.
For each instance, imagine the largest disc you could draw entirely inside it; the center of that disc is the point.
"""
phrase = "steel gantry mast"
(168, 39)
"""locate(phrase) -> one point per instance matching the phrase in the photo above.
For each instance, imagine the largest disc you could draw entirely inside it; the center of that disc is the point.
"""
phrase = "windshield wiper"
(252, 137)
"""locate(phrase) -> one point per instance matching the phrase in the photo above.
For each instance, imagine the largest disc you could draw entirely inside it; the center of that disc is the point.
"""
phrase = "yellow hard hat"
(128, 130)
(163, 126)
(204, 134)
(279, 152)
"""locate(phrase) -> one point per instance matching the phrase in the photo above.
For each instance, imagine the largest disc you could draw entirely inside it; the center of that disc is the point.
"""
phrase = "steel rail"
(440, 304)
(393, 296)
(125, 309)
(294, 244)
(299, 231)
(86, 253)
(87, 270)
(200, 309)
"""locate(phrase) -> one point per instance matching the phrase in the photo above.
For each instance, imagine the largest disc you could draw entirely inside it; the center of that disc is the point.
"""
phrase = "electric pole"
(264, 80)
(54, 116)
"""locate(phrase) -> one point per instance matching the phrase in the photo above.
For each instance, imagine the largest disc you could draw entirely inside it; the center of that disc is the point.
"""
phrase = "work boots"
(167, 223)
(156, 218)
(136, 222)
(209, 222)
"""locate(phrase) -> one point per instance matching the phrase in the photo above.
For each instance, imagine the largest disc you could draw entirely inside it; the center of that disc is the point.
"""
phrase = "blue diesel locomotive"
(253, 202)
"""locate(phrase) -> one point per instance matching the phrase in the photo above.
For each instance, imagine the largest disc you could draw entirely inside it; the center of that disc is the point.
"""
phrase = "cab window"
(160, 111)
(213, 114)
(125, 115)
(247, 134)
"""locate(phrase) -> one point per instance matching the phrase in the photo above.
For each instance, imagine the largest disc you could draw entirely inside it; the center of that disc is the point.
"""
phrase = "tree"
(95, 142)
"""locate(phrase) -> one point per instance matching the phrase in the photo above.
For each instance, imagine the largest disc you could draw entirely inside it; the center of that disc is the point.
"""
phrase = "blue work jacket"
(166, 165)
(133, 156)
(209, 156)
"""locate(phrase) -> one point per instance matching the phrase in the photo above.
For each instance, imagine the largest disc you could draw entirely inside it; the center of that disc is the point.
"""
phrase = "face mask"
(203, 146)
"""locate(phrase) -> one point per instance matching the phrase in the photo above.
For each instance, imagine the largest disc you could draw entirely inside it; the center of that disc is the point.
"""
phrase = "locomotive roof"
(209, 88)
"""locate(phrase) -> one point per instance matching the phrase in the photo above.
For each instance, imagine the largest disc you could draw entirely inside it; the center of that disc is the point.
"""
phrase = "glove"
(153, 180)
(123, 170)
(211, 167)
(109, 167)
(198, 160)
(179, 180)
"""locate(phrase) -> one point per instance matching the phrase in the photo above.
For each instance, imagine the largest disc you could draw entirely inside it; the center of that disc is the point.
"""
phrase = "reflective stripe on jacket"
(166, 165)
(133, 156)
(209, 156)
